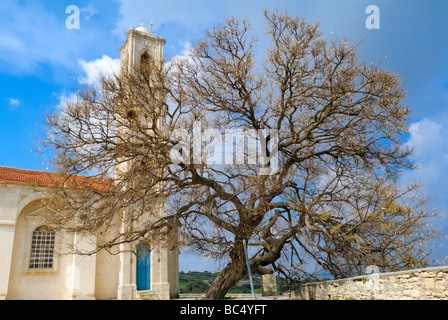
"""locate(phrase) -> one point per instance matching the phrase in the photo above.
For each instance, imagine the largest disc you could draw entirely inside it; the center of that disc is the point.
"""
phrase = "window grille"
(42, 248)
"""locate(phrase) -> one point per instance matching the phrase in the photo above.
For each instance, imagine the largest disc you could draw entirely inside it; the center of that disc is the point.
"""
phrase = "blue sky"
(41, 61)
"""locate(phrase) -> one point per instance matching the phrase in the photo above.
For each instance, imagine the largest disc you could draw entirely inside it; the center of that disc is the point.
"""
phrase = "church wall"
(173, 273)
(26, 283)
(71, 276)
(82, 272)
(107, 270)
(6, 240)
(106, 282)
(10, 196)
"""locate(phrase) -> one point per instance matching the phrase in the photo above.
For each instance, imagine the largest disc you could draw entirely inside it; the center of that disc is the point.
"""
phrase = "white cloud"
(31, 34)
(191, 15)
(13, 102)
(430, 142)
(93, 71)
(88, 11)
(183, 57)
(426, 136)
(34, 36)
(105, 66)
(64, 99)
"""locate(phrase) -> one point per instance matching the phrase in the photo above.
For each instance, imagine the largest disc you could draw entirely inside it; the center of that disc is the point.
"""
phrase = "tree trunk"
(230, 275)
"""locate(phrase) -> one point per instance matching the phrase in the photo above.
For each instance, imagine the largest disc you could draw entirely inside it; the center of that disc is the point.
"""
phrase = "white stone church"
(30, 266)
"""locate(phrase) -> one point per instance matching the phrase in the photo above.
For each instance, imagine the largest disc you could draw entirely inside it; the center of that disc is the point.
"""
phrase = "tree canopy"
(313, 179)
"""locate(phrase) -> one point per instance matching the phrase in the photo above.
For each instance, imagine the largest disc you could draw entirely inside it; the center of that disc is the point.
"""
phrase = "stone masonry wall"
(417, 284)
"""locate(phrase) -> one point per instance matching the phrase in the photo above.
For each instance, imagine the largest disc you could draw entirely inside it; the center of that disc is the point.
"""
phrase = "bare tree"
(330, 199)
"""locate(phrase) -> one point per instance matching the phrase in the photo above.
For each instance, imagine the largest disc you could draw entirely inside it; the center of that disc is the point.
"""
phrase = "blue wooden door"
(143, 267)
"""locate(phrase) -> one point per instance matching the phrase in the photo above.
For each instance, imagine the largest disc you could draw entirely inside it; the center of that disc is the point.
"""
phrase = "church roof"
(52, 179)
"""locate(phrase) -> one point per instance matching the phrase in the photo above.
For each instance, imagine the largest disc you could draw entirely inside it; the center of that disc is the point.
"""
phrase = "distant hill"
(200, 281)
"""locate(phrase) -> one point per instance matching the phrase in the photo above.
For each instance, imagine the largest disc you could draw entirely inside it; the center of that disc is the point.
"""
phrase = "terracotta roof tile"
(51, 179)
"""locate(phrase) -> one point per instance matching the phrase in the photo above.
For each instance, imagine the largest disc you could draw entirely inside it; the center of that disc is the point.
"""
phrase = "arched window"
(145, 65)
(42, 248)
(144, 60)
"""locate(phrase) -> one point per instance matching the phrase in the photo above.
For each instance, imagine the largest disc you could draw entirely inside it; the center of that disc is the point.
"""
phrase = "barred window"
(42, 248)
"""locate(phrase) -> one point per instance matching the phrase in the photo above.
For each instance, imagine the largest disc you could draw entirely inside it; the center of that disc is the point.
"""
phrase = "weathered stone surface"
(268, 285)
(146, 295)
(429, 283)
(419, 284)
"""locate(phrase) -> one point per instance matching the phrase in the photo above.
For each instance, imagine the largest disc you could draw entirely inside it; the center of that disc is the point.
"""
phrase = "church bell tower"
(140, 42)
(159, 270)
